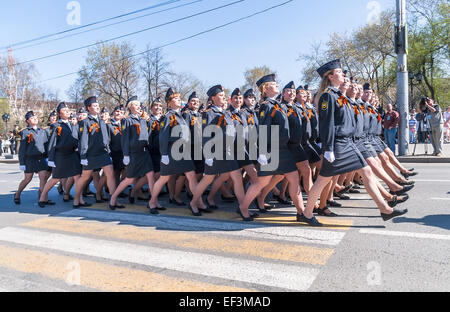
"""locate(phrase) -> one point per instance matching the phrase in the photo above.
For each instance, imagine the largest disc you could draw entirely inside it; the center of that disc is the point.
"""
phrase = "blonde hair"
(262, 89)
(323, 85)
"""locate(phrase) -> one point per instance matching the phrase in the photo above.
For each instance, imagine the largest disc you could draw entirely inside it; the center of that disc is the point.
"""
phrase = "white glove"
(209, 162)
(231, 131)
(126, 160)
(46, 160)
(84, 162)
(319, 145)
(22, 168)
(51, 164)
(165, 159)
(329, 156)
(262, 159)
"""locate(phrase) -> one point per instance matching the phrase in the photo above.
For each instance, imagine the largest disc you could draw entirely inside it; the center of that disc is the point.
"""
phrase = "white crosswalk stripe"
(260, 231)
(256, 272)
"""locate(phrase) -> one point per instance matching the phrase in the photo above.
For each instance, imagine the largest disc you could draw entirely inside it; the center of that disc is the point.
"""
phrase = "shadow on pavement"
(440, 221)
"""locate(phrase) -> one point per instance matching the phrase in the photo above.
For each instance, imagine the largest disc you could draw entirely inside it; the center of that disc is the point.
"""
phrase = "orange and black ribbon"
(95, 125)
(30, 138)
(236, 117)
(155, 125)
(276, 108)
(173, 121)
(355, 107)
(363, 108)
(291, 111)
(379, 117)
(138, 128)
(117, 130)
(58, 131)
(193, 120)
(251, 120)
(221, 120)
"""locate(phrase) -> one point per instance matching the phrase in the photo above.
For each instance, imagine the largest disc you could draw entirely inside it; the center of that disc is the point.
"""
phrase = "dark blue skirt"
(348, 158)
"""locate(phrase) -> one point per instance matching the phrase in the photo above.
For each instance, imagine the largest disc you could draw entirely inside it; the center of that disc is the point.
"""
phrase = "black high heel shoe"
(246, 219)
(16, 200)
(195, 214)
(262, 210)
(67, 200)
(321, 212)
(175, 202)
(153, 211)
(397, 212)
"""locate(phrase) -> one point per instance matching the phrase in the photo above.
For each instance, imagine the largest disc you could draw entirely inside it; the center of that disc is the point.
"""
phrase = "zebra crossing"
(101, 250)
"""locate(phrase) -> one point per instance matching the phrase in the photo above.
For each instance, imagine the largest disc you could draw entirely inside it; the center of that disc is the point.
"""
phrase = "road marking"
(437, 198)
(249, 230)
(196, 242)
(405, 234)
(432, 180)
(329, 223)
(98, 275)
(285, 276)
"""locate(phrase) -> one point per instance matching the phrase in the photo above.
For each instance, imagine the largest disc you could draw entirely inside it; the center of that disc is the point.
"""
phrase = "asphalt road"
(62, 249)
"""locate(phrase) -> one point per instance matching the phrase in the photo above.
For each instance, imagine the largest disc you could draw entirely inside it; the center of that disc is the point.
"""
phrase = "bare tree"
(154, 71)
(183, 83)
(110, 73)
(253, 75)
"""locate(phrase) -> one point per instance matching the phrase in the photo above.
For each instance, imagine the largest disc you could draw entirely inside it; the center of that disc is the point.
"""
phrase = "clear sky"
(274, 38)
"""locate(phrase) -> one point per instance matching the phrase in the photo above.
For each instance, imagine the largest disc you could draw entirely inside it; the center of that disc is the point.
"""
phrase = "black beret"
(300, 88)
(329, 66)
(131, 99)
(82, 110)
(157, 100)
(249, 93)
(193, 96)
(236, 92)
(367, 86)
(53, 113)
(73, 115)
(170, 94)
(104, 110)
(29, 114)
(267, 78)
(61, 106)
(214, 90)
(346, 73)
(290, 85)
(89, 101)
(306, 87)
(119, 107)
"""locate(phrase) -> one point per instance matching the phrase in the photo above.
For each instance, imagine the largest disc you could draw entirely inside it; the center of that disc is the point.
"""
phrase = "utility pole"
(401, 49)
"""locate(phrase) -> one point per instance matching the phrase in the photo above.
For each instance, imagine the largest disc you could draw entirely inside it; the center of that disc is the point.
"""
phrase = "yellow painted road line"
(191, 241)
(98, 275)
(329, 223)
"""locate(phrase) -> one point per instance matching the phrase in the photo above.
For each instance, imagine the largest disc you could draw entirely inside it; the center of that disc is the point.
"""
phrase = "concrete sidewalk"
(424, 154)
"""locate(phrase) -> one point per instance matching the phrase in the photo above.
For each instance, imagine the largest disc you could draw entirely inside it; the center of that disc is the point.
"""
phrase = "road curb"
(423, 159)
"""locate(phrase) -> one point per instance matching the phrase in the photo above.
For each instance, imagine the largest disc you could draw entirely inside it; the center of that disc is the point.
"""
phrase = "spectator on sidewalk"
(434, 114)
(12, 142)
(447, 125)
(412, 127)
(17, 139)
(390, 123)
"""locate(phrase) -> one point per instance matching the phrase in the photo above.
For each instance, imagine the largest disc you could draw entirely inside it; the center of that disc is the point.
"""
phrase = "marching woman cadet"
(136, 157)
(371, 143)
(340, 153)
(155, 128)
(171, 164)
(52, 119)
(358, 139)
(94, 149)
(271, 114)
(194, 119)
(32, 155)
(115, 145)
(214, 117)
(62, 155)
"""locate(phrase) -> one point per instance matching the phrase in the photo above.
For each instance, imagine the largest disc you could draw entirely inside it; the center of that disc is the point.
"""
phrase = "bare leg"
(217, 184)
(305, 173)
(372, 189)
(252, 193)
(79, 186)
(42, 180)
(48, 186)
(23, 184)
(377, 168)
(123, 185)
(314, 193)
(153, 203)
(198, 191)
(295, 192)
